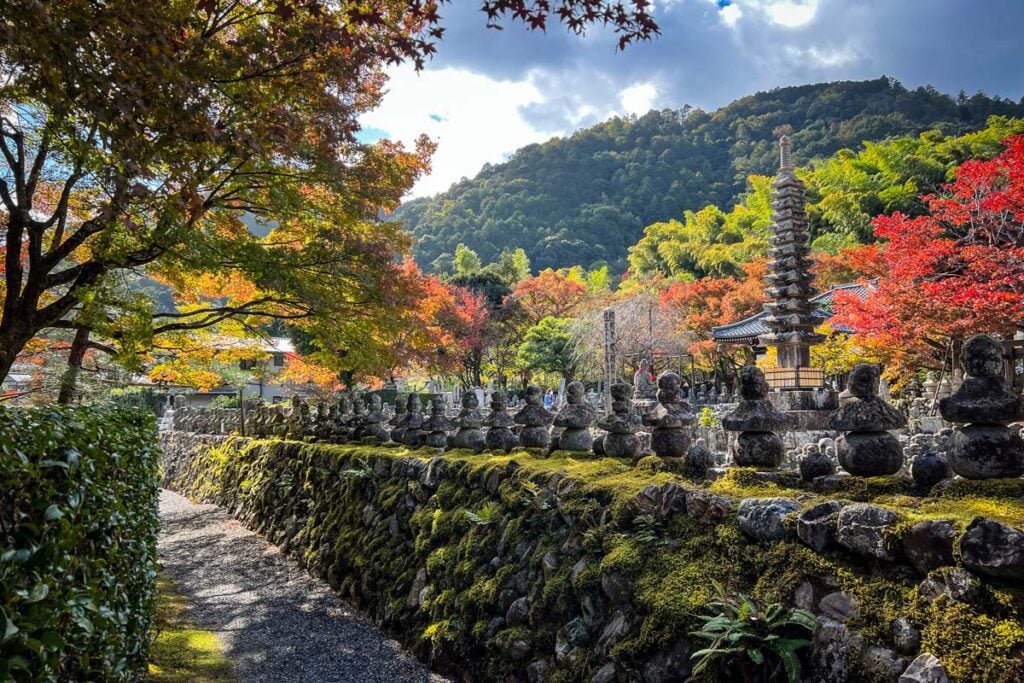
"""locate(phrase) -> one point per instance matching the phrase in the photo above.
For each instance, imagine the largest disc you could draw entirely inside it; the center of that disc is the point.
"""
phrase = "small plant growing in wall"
(760, 645)
(488, 515)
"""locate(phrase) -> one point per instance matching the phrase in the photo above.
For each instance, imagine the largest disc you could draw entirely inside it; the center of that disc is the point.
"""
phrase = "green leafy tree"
(548, 347)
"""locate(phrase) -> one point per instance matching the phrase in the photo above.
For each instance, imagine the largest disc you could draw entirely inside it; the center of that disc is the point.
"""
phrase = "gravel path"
(276, 622)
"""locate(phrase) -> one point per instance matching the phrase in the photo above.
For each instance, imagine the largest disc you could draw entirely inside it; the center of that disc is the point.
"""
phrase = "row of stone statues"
(866, 446)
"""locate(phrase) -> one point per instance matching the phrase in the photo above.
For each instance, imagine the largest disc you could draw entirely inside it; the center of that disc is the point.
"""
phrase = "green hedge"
(78, 527)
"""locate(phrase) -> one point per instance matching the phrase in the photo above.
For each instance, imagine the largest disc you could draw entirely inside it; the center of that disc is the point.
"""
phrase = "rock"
(537, 671)
(803, 596)
(707, 507)
(517, 612)
(882, 664)
(928, 545)
(994, 549)
(670, 665)
(659, 501)
(863, 529)
(577, 571)
(617, 587)
(576, 633)
(905, 636)
(606, 674)
(418, 584)
(816, 526)
(869, 454)
(562, 646)
(516, 649)
(925, 669)
(835, 650)
(761, 518)
(699, 459)
(493, 626)
(928, 469)
(816, 464)
(616, 628)
(549, 564)
(840, 606)
(952, 582)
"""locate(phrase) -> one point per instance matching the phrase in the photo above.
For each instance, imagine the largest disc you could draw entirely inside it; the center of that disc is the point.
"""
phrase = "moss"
(181, 652)
(582, 513)
(973, 646)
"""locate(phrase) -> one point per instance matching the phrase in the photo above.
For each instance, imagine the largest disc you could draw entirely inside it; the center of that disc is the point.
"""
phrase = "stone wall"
(519, 567)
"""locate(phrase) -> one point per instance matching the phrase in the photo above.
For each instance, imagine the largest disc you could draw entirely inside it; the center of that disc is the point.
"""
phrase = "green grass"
(181, 652)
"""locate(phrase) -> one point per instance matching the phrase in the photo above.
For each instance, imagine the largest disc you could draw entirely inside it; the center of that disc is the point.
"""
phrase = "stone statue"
(643, 385)
(437, 425)
(535, 420)
(622, 425)
(414, 434)
(374, 420)
(499, 437)
(469, 421)
(342, 417)
(397, 423)
(985, 448)
(357, 423)
(867, 449)
(575, 419)
(756, 419)
(671, 420)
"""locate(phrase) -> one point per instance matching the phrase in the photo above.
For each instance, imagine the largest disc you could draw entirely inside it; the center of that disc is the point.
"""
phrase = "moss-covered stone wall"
(519, 567)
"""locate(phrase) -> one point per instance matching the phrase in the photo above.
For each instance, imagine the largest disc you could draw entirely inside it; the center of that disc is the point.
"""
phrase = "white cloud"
(639, 98)
(787, 13)
(473, 118)
(791, 14)
(731, 14)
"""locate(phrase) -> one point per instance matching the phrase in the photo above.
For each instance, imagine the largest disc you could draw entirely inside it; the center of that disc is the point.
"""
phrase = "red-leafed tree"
(849, 264)
(703, 304)
(956, 271)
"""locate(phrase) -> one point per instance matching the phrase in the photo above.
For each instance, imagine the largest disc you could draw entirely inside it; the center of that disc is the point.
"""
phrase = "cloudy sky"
(490, 92)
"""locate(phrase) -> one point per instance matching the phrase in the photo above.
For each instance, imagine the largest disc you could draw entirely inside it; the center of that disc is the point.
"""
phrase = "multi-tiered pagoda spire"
(789, 278)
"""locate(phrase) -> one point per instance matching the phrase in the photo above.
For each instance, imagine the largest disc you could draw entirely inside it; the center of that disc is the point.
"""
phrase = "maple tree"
(848, 264)
(548, 294)
(955, 271)
(181, 138)
(702, 304)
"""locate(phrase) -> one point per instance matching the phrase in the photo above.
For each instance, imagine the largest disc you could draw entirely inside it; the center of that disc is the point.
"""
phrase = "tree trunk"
(75, 357)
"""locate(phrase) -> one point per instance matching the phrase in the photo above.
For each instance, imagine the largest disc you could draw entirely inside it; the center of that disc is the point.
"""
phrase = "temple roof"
(747, 331)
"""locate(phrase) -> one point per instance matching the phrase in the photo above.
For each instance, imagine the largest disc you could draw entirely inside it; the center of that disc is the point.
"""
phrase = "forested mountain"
(586, 199)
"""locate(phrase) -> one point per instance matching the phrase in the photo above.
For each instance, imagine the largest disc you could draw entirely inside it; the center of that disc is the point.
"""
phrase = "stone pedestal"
(535, 420)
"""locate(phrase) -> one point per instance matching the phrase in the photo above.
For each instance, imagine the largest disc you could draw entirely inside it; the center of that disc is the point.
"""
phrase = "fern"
(488, 515)
(761, 645)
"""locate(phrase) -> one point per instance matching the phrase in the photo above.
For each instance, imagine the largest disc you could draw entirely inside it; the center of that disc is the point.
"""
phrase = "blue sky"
(490, 92)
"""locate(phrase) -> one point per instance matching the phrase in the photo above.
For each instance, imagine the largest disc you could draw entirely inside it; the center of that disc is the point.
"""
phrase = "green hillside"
(586, 199)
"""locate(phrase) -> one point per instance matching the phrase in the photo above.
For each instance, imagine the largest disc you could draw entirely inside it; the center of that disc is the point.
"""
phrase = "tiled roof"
(749, 329)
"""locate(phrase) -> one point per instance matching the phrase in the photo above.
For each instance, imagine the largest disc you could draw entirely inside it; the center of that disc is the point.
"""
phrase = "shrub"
(78, 526)
(707, 417)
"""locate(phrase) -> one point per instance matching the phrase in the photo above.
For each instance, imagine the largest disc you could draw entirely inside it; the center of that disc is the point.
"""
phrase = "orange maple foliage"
(549, 293)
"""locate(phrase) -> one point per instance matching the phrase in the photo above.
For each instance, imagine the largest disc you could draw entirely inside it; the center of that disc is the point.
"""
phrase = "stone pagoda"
(790, 314)
(790, 282)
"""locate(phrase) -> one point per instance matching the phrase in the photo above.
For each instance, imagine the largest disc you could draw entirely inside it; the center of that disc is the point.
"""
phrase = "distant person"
(549, 399)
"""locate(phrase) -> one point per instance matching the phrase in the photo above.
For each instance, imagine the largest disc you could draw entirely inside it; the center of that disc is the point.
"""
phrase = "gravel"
(276, 622)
